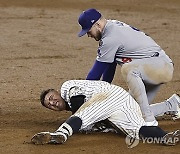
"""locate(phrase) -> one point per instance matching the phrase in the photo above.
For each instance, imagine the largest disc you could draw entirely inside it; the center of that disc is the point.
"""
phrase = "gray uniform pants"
(144, 78)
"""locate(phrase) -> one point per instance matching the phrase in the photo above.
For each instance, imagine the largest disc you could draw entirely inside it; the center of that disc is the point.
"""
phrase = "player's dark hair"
(43, 95)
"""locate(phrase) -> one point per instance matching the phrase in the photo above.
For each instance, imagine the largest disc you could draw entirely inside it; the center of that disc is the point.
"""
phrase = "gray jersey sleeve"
(107, 49)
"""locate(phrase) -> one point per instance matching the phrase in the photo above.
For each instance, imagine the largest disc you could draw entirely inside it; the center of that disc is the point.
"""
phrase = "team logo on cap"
(92, 21)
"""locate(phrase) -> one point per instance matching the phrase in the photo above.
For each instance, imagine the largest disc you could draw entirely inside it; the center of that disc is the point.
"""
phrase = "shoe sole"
(46, 138)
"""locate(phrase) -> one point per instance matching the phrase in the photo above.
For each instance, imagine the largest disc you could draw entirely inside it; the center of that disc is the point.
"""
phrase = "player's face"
(54, 101)
(94, 32)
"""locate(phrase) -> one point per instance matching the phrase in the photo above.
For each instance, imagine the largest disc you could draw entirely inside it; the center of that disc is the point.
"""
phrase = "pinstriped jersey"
(120, 40)
(104, 101)
(87, 88)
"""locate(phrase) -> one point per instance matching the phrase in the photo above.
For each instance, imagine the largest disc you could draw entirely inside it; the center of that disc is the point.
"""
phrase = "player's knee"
(158, 75)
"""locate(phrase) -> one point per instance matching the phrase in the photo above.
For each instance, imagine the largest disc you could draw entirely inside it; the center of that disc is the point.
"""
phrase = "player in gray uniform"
(92, 102)
(144, 64)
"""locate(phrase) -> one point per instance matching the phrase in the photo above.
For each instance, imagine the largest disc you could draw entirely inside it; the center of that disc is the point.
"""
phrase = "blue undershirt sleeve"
(99, 69)
(108, 74)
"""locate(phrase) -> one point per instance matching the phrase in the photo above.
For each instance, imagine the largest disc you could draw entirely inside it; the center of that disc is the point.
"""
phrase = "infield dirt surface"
(39, 49)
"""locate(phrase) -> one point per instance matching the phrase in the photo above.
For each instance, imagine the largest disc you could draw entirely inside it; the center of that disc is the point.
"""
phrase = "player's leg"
(151, 91)
(170, 107)
(158, 135)
(129, 118)
(156, 70)
(137, 90)
(130, 122)
(102, 105)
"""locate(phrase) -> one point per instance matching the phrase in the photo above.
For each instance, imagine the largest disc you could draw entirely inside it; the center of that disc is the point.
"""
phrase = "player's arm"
(99, 69)
(108, 74)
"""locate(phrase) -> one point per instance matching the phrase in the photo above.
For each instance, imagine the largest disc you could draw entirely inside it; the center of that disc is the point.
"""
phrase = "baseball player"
(144, 64)
(95, 101)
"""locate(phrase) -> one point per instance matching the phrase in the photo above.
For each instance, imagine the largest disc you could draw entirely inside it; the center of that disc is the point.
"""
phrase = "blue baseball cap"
(87, 19)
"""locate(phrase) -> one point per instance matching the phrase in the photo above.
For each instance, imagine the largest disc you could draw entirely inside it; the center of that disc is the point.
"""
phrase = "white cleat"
(177, 96)
(49, 138)
(176, 114)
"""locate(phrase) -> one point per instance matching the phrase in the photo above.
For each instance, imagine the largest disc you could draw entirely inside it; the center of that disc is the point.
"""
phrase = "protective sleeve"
(102, 68)
(75, 123)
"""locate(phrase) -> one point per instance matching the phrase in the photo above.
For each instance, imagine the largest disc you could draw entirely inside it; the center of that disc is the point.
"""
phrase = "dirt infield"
(39, 49)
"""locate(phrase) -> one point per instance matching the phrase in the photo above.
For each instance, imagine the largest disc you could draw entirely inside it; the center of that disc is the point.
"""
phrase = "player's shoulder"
(69, 83)
(82, 83)
(72, 83)
(112, 31)
(112, 22)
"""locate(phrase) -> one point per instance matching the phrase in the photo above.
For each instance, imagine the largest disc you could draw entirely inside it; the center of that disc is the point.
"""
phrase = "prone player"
(95, 101)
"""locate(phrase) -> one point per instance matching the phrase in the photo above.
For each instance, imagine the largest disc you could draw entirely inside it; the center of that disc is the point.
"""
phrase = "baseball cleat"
(174, 114)
(177, 114)
(48, 138)
(172, 138)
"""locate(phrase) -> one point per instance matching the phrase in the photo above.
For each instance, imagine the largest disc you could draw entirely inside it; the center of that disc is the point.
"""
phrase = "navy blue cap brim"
(83, 32)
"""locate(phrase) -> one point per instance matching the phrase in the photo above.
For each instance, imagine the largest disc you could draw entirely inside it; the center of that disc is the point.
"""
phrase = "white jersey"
(104, 101)
(82, 87)
(120, 40)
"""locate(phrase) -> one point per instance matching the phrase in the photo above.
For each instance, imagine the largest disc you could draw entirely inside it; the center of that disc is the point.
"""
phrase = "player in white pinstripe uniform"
(91, 102)
(144, 64)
